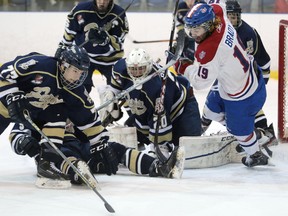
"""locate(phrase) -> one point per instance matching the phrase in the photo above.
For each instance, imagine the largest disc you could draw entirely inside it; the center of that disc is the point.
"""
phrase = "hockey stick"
(159, 105)
(108, 25)
(76, 170)
(133, 87)
(150, 41)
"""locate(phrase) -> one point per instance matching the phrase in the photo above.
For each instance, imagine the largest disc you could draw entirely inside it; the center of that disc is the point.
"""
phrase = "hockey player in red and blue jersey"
(253, 45)
(221, 56)
(105, 24)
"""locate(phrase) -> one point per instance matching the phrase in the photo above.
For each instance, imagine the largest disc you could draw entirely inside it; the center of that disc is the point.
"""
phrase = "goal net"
(283, 81)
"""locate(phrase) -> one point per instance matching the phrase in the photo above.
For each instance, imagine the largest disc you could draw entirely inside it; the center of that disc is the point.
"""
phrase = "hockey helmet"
(139, 64)
(200, 17)
(234, 11)
(78, 59)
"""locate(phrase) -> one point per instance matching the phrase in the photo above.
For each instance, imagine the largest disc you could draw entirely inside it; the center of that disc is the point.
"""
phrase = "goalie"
(181, 115)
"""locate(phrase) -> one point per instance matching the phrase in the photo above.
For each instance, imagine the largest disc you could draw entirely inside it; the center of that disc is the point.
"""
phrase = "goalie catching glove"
(106, 153)
(112, 112)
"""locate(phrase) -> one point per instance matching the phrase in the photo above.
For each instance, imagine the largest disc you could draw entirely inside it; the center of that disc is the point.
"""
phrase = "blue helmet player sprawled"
(51, 90)
(78, 59)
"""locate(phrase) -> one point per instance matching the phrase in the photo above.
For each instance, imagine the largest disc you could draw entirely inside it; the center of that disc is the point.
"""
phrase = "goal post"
(283, 82)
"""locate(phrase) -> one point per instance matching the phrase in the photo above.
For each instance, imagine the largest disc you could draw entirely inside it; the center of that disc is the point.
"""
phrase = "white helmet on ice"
(139, 64)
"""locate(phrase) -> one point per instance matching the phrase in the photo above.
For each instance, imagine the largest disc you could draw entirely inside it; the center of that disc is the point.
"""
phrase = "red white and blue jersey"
(222, 56)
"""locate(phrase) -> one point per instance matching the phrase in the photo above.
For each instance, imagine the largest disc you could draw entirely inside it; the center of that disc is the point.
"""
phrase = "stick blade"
(109, 207)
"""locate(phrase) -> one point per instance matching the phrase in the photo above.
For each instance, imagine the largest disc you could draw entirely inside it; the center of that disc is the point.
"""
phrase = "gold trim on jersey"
(4, 111)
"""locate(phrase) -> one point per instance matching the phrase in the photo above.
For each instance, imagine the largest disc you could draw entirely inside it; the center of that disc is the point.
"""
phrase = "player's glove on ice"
(108, 156)
(26, 144)
(16, 104)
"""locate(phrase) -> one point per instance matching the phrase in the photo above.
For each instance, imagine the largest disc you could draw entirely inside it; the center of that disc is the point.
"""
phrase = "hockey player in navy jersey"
(105, 25)
(52, 90)
(76, 150)
(253, 46)
(221, 56)
(181, 116)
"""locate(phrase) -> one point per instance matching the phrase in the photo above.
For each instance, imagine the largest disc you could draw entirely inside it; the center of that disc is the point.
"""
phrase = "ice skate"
(265, 139)
(257, 159)
(48, 176)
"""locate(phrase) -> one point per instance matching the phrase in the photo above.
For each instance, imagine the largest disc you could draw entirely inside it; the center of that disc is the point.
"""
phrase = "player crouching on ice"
(221, 57)
(25, 141)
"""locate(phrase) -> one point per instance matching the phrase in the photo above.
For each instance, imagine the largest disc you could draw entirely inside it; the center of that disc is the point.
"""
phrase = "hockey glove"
(59, 51)
(108, 156)
(16, 104)
(26, 145)
(98, 37)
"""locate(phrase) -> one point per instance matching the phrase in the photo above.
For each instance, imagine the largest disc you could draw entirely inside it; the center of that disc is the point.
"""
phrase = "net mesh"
(283, 81)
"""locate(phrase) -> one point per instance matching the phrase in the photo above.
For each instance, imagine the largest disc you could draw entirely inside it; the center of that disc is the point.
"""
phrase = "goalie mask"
(234, 11)
(199, 22)
(139, 64)
(74, 65)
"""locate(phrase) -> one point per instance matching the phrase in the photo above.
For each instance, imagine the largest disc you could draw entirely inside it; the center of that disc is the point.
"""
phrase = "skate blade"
(178, 168)
(85, 171)
(46, 183)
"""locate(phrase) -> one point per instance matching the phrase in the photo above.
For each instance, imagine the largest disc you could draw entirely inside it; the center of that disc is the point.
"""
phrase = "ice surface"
(230, 190)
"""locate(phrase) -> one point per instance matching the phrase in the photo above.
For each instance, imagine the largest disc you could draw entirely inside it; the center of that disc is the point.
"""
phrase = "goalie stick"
(52, 145)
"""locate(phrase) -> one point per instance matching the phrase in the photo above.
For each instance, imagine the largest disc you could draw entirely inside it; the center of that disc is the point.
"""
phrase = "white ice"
(229, 190)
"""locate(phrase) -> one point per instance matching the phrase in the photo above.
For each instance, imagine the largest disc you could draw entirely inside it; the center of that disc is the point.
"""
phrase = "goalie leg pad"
(124, 135)
(178, 168)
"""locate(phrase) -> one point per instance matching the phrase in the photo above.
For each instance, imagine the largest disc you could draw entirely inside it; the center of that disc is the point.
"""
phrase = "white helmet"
(139, 64)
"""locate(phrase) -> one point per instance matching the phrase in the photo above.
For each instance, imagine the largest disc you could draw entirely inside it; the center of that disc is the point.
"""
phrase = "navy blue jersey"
(37, 76)
(181, 13)
(84, 17)
(254, 46)
(142, 102)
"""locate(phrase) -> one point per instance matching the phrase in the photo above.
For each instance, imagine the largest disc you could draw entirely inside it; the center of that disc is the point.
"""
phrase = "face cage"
(76, 84)
(137, 73)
